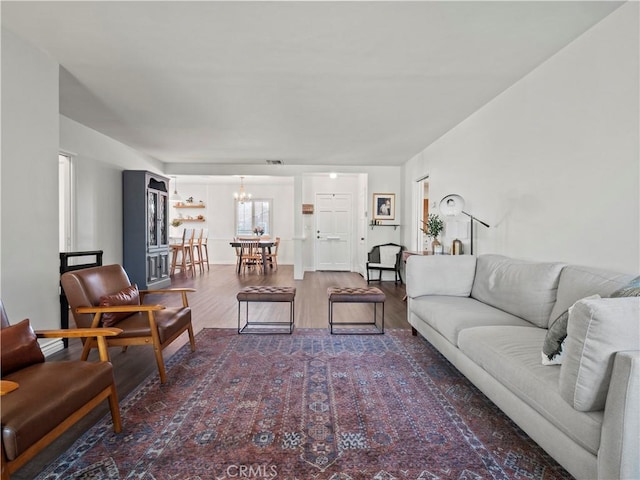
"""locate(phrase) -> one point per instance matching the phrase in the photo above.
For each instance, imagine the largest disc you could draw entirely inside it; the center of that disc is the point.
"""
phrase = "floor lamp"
(452, 205)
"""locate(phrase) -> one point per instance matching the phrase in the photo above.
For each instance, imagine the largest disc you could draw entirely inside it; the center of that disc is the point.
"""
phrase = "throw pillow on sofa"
(126, 296)
(553, 346)
(632, 289)
(596, 331)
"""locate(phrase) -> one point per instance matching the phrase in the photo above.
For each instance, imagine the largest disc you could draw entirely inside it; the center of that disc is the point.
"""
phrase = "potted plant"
(432, 228)
(176, 222)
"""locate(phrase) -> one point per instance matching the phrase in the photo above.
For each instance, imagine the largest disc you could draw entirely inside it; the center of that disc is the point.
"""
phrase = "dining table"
(265, 246)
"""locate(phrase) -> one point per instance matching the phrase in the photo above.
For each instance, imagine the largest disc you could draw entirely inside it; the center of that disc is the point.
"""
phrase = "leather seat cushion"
(171, 320)
(67, 386)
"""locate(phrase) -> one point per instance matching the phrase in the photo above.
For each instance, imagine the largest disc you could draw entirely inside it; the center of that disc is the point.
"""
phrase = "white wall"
(219, 202)
(29, 195)
(98, 162)
(552, 164)
(217, 195)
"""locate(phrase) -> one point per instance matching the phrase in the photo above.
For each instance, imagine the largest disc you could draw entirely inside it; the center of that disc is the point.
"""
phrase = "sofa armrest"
(620, 438)
(451, 275)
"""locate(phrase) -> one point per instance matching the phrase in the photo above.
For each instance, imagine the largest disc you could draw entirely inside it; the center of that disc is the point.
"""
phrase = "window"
(65, 206)
(251, 214)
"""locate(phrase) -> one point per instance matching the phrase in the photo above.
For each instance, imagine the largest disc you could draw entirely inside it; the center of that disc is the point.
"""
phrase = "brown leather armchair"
(41, 400)
(91, 293)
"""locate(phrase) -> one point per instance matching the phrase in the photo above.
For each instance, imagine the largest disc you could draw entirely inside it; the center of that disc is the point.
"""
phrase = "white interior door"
(333, 231)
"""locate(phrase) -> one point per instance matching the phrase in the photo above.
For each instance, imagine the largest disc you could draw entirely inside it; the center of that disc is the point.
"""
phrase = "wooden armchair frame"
(110, 393)
(153, 338)
(117, 276)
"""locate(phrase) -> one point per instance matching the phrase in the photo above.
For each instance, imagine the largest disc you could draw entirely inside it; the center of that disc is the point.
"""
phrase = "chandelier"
(242, 196)
(175, 196)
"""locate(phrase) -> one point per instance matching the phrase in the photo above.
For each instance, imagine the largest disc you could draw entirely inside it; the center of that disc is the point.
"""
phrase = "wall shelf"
(187, 205)
(191, 219)
(394, 225)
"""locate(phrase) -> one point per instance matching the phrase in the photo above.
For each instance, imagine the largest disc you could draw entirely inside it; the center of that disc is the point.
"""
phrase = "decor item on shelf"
(384, 206)
(452, 205)
(189, 200)
(258, 231)
(176, 222)
(456, 247)
(175, 196)
(200, 217)
(432, 228)
(242, 196)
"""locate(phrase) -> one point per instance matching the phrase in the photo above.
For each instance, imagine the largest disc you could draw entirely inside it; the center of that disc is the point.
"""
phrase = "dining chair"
(251, 254)
(272, 256)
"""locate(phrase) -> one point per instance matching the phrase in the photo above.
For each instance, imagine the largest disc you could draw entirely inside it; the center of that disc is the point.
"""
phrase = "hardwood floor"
(214, 305)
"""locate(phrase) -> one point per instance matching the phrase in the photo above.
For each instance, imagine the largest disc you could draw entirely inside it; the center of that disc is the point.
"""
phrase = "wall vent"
(275, 162)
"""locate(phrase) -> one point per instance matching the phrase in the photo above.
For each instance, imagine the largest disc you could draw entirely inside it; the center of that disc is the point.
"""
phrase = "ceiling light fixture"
(242, 196)
(333, 175)
(175, 196)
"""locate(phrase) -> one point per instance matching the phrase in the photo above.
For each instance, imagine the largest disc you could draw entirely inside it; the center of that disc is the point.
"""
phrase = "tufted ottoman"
(260, 293)
(357, 295)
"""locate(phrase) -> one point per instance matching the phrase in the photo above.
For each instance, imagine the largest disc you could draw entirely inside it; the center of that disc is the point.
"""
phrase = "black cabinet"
(146, 228)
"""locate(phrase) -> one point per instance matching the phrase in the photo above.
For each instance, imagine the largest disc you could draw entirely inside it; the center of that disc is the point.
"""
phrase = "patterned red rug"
(307, 406)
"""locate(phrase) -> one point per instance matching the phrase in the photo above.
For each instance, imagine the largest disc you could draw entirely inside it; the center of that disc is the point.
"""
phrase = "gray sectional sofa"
(488, 315)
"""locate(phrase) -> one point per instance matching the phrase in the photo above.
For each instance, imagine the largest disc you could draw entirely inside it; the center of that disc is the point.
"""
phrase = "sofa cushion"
(126, 296)
(450, 315)
(19, 347)
(577, 282)
(440, 275)
(597, 329)
(632, 289)
(522, 288)
(512, 356)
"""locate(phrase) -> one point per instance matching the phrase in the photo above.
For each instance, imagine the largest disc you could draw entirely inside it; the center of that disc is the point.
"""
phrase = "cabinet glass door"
(163, 219)
(152, 218)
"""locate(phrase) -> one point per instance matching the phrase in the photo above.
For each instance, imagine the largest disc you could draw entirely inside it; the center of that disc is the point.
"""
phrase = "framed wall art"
(384, 206)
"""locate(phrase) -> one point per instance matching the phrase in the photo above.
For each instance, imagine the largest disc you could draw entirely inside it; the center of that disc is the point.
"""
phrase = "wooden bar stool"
(196, 247)
(183, 251)
(204, 249)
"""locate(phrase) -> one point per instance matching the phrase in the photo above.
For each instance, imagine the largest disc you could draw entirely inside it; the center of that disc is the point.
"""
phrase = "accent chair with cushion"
(387, 257)
(41, 400)
(103, 296)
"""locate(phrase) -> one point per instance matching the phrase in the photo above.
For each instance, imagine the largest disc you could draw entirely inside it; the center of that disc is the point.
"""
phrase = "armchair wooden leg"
(192, 338)
(114, 406)
(160, 361)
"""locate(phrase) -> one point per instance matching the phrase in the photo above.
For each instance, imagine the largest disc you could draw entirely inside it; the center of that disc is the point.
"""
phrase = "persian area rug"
(307, 406)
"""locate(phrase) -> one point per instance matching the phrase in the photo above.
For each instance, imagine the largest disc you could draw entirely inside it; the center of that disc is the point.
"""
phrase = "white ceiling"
(309, 83)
